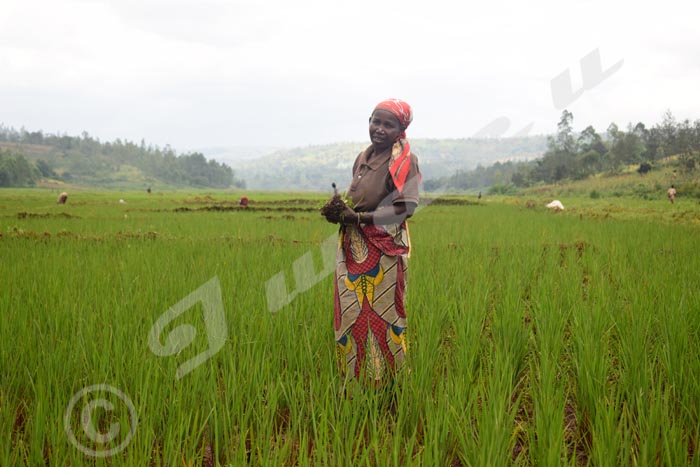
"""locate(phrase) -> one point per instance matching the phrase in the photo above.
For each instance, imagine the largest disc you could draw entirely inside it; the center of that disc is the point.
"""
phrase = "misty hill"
(27, 157)
(316, 167)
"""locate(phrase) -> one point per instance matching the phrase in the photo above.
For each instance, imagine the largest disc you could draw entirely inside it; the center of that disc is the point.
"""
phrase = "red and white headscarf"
(401, 152)
(399, 109)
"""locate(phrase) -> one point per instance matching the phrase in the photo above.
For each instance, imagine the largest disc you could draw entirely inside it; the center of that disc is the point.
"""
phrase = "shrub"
(644, 167)
(502, 189)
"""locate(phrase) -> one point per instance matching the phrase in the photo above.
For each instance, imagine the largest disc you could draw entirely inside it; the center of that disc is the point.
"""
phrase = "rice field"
(142, 334)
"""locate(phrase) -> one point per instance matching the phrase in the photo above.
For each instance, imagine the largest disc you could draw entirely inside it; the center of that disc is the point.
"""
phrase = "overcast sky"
(196, 74)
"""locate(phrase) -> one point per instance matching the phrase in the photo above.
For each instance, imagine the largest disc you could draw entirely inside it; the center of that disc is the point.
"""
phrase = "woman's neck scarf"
(401, 151)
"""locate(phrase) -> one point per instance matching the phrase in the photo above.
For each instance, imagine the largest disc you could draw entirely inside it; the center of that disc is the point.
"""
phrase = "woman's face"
(384, 129)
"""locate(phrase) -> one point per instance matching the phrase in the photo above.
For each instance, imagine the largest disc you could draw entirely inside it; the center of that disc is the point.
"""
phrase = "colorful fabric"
(401, 151)
(369, 315)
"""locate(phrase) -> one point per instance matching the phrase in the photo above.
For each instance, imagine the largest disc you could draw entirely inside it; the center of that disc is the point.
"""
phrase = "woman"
(370, 276)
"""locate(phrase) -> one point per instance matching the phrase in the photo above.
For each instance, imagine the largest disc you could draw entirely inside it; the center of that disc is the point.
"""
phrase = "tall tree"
(668, 129)
(565, 133)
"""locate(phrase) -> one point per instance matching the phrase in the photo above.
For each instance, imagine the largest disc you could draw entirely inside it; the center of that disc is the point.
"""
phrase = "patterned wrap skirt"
(369, 314)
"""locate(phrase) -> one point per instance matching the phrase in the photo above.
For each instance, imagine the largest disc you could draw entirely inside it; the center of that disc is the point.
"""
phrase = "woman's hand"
(348, 216)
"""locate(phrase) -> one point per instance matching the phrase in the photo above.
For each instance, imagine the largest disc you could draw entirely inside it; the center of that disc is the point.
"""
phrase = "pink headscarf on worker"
(401, 151)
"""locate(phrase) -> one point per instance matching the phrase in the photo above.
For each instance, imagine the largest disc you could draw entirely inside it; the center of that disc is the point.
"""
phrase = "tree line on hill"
(30, 156)
(571, 156)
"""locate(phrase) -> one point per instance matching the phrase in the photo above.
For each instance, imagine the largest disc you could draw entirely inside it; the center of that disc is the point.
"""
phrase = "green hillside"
(639, 161)
(60, 160)
(34, 158)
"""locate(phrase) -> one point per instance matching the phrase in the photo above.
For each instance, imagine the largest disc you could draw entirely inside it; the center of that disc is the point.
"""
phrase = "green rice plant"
(534, 338)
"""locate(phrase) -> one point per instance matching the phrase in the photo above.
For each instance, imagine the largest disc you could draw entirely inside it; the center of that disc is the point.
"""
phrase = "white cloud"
(220, 72)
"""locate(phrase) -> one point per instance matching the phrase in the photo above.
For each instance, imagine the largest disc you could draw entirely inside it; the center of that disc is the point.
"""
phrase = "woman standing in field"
(370, 275)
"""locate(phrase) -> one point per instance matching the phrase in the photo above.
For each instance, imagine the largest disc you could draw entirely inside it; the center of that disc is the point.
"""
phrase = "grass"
(535, 338)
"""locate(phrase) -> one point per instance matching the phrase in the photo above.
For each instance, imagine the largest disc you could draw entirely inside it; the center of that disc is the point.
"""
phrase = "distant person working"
(671, 194)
